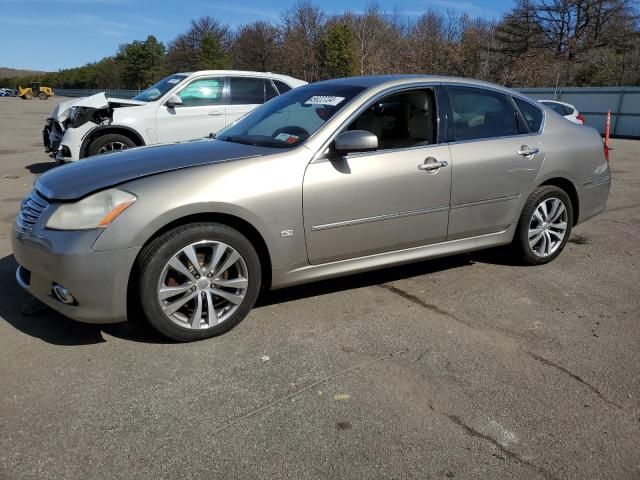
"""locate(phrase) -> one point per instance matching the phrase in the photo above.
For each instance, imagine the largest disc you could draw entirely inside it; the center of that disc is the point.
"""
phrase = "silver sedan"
(329, 179)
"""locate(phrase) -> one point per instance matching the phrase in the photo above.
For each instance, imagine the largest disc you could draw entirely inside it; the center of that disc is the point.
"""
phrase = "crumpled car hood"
(99, 100)
(78, 179)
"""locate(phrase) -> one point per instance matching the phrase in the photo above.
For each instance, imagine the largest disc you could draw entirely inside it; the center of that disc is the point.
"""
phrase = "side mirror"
(173, 100)
(355, 141)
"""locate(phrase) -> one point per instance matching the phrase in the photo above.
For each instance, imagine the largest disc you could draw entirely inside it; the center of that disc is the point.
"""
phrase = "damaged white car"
(183, 106)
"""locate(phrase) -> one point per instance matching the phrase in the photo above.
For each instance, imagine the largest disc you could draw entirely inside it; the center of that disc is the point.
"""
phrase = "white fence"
(594, 102)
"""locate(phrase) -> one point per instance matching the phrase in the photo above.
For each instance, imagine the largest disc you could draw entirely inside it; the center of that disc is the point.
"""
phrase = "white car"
(183, 106)
(567, 110)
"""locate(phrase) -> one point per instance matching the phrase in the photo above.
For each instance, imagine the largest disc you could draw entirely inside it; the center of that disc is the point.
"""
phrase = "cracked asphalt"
(466, 367)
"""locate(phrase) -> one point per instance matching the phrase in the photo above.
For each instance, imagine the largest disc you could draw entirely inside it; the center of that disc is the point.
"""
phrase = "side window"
(479, 113)
(400, 120)
(246, 91)
(532, 115)
(281, 86)
(269, 90)
(202, 92)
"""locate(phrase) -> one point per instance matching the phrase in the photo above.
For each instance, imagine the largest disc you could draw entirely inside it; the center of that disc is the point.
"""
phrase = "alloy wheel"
(203, 284)
(548, 227)
(112, 147)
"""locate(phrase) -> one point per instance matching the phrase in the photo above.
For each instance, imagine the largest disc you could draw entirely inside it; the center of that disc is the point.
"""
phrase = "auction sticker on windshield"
(324, 100)
(287, 137)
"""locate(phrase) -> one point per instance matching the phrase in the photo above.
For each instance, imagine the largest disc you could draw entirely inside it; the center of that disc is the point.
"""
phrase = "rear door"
(495, 157)
(201, 113)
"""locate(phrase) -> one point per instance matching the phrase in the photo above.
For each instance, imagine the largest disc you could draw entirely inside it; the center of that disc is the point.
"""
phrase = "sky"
(53, 34)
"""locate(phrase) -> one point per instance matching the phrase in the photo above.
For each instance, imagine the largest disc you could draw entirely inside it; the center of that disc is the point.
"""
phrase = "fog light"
(63, 294)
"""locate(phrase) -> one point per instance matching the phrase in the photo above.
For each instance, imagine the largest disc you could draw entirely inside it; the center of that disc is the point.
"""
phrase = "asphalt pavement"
(467, 367)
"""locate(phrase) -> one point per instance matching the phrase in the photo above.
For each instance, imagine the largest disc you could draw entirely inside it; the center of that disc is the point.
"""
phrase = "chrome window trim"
(320, 155)
(378, 218)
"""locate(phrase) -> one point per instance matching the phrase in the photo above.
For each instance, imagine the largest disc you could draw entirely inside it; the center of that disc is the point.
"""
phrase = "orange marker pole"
(607, 130)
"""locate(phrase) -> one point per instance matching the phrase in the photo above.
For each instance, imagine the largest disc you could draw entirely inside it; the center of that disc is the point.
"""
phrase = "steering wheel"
(299, 132)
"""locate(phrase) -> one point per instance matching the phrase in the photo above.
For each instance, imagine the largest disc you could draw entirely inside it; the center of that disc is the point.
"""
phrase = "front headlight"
(95, 211)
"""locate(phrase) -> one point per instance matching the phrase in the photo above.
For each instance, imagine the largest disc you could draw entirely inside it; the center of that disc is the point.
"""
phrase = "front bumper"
(97, 280)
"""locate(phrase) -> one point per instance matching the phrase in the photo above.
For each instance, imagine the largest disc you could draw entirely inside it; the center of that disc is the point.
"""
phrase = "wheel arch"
(241, 225)
(128, 132)
(568, 186)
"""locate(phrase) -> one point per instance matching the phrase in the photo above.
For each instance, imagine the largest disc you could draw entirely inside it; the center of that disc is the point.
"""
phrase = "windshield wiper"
(239, 140)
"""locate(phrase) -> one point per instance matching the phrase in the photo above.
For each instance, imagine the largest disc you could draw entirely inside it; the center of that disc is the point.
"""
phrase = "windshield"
(159, 89)
(288, 120)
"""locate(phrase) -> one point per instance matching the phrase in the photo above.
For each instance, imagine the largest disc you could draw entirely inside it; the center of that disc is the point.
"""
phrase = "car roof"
(397, 80)
(244, 73)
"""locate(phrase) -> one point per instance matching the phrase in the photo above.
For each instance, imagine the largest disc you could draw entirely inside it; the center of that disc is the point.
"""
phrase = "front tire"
(109, 143)
(198, 281)
(544, 226)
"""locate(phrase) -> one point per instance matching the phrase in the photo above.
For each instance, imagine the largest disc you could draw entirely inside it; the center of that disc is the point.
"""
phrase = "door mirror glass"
(173, 100)
(355, 141)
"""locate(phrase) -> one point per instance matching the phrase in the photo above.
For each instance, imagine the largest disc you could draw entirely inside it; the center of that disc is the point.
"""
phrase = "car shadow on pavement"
(38, 168)
(33, 318)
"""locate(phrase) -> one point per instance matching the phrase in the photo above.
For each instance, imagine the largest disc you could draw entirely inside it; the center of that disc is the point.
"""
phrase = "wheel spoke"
(534, 231)
(190, 253)
(178, 266)
(534, 241)
(543, 244)
(232, 297)
(547, 243)
(196, 316)
(239, 282)
(175, 306)
(555, 203)
(231, 259)
(168, 292)
(538, 215)
(543, 209)
(558, 213)
(218, 252)
(558, 235)
(212, 316)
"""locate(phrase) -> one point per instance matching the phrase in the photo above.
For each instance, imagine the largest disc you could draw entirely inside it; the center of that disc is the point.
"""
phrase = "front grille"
(30, 211)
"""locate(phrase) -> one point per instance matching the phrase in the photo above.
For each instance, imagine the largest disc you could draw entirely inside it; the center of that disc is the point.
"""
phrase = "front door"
(385, 200)
(202, 112)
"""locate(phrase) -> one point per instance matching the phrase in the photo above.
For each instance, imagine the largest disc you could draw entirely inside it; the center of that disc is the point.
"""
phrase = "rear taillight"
(606, 150)
(580, 118)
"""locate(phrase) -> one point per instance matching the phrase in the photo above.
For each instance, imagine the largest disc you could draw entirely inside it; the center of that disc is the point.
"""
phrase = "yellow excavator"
(35, 90)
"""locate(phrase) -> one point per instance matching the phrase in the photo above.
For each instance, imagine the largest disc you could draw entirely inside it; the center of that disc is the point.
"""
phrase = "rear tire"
(212, 297)
(109, 143)
(544, 226)
(43, 96)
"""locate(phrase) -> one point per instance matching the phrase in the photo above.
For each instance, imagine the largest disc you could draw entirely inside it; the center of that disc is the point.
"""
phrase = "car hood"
(78, 179)
(97, 101)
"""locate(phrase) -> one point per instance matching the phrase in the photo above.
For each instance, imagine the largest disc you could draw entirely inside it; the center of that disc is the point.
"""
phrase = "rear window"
(281, 86)
(559, 108)
(532, 114)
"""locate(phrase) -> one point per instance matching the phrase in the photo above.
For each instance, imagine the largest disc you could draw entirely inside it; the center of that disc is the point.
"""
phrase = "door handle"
(431, 164)
(527, 151)
(215, 113)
